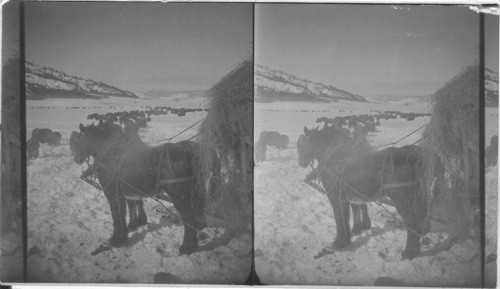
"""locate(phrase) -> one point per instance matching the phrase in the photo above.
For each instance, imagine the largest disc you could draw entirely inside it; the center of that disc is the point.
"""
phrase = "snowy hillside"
(491, 91)
(44, 82)
(272, 85)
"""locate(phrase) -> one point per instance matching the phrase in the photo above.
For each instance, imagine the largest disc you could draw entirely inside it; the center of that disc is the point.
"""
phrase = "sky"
(368, 49)
(140, 46)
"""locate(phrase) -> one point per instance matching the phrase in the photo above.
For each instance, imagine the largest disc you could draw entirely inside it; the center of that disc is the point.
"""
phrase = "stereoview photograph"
(249, 144)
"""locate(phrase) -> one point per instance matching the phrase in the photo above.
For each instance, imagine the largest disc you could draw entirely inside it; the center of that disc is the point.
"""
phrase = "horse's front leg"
(356, 215)
(118, 208)
(341, 212)
(142, 219)
(366, 222)
(137, 215)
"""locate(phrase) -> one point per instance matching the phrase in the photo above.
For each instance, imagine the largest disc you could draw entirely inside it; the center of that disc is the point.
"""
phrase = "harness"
(312, 179)
(90, 177)
(90, 174)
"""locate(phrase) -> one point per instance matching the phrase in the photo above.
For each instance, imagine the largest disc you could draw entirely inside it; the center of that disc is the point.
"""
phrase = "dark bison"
(32, 146)
(273, 139)
(491, 153)
(55, 138)
(46, 136)
(282, 141)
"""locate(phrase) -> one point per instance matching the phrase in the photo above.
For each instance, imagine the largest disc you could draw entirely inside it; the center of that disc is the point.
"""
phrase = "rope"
(394, 143)
(193, 136)
(170, 138)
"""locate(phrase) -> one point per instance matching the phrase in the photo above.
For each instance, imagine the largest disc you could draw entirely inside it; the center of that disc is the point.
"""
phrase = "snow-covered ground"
(69, 219)
(294, 223)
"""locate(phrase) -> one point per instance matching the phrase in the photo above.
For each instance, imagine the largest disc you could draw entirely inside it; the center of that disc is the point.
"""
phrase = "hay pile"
(450, 160)
(228, 129)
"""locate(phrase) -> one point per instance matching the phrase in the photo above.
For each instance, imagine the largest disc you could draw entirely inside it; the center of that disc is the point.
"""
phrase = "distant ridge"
(274, 85)
(45, 82)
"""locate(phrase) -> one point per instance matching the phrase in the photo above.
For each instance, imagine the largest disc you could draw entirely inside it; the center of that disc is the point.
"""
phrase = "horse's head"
(314, 143)
(89, 142)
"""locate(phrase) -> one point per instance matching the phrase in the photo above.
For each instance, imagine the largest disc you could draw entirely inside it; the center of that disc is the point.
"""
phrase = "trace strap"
(91, 171)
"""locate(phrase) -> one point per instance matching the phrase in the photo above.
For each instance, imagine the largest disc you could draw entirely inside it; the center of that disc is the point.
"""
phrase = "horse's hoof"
(340, 244)
(366, 226)
(117, 241)
(356, 230)
(186, 250)
(142, 222)
(133, 226)
(408, 255)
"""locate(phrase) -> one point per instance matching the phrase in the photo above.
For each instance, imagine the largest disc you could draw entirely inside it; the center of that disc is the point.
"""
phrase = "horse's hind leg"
(118, 208)
(137, 215)
(132, 210)
(341, 212)
(366, 223)
(414, 218)
(191, 211)
(192, 224)
(142, 219)
(361, 219)
(356, 214)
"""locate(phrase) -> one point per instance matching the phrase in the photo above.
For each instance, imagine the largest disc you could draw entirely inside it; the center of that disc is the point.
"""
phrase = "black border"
(482, 135)
(22, 108)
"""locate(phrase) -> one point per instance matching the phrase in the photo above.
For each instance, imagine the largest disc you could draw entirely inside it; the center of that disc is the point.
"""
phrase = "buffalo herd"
(131, 120)
(354, 127)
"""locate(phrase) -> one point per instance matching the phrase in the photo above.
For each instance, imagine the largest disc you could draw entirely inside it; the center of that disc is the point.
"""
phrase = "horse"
(491, 153)
(129, 171)
(353, 172)
(360, 215)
